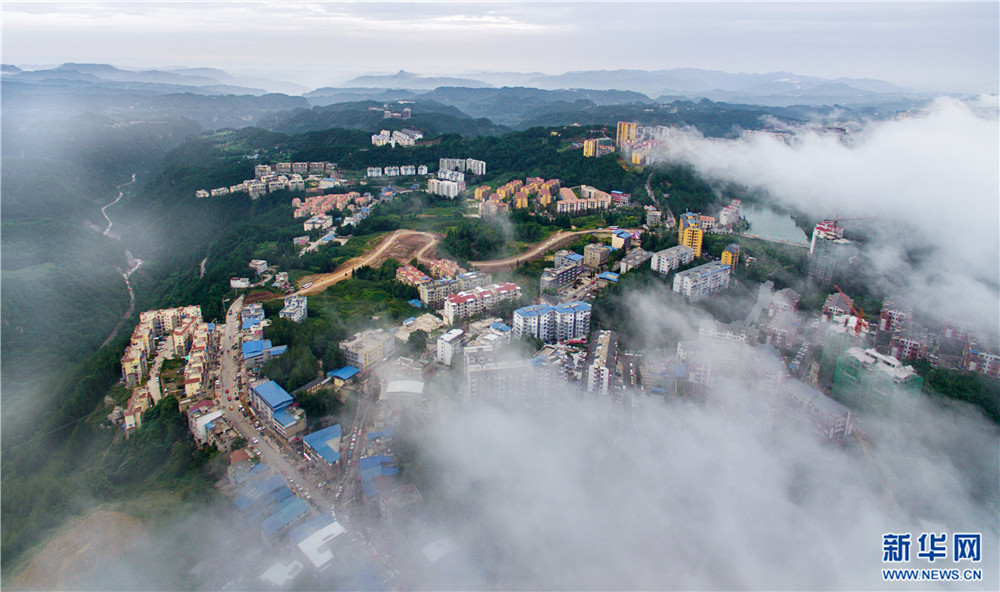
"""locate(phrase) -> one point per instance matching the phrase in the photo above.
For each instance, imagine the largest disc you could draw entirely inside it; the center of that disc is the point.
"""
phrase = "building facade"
(702, 281)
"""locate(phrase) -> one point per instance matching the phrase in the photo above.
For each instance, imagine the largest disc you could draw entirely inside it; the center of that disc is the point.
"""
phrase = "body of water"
(766, 223)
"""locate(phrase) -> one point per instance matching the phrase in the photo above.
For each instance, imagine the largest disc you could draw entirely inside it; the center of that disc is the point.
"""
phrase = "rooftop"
(326, 443)
(272, 394)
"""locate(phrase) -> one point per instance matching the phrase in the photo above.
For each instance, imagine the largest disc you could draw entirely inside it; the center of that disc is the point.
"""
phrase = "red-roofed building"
(472, 302)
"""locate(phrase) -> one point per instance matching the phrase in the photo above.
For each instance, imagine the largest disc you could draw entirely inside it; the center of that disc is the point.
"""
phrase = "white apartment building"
(448, 345)
(570, 320)
(669, 259)
(702, 281)
(373, 172)
(445, 188)
(601, 363)
(478, 167)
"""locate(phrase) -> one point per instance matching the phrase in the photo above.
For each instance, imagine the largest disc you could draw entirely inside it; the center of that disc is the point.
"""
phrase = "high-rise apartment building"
(690, 232)
(626, 132)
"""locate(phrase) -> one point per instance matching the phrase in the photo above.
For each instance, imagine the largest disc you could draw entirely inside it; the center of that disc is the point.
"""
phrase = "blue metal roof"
(416, 302)
(318, 442)
(409, 320)
(255, 348)
(252, 493)
(607, 275)
(284, 418)
(304, 530)
(273, 395)
(285, 514)
(574, 257)
(277, 350)
(498, 326)
(345, 373)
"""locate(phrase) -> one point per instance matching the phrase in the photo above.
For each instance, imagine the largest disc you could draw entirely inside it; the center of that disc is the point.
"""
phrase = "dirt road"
(407, 244)
(559, 239)
(394, 243)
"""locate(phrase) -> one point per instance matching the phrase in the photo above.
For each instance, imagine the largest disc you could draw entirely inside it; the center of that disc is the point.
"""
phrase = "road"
(557, 240)
(323, 281)
(668, 216)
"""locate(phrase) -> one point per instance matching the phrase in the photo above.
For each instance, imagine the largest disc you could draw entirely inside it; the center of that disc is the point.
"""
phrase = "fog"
(738, 492)
(925, 183)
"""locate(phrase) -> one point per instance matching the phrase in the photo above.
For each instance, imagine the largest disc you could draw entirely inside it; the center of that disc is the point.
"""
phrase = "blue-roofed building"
(343, 375)
(324, 446)
(285, 514)
(570, 320)
(608, 276)
(498, 326)
(289, 422)
(253, 351)
(621, 239)
(416, 303)
(251, 493)
(267, 398)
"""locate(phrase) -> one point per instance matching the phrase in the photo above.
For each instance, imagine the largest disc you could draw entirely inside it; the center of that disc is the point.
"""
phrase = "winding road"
(133, 264)
(385, 246)
(322, 281)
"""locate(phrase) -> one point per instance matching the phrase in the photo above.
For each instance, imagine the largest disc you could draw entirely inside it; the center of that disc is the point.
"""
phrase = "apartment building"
(601, 363)
(653, 217)
(621, 239)
(634, 259)
(473, 279)
(433, 293)
(704, 280)
(626, 132)
(368, 348)
(468, 303)
(691, 233)
(445, 188)
(786, 300)
(448, 345)
(895, 311)
(570, 320)
(595, 255)
(663, 262)
(555, 278)
(373, 172)
(828, 251)
(909, 340)
(477, 167)
(442, 268)
(411, 276)
(567, 257)
(274, 406)
(866, 380)
(296, 309)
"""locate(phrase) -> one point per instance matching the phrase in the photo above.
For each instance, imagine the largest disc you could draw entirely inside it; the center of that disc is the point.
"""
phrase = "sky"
(925, 46)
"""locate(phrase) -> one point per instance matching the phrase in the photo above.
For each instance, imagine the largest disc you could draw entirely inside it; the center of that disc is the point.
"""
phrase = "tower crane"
(861, 323)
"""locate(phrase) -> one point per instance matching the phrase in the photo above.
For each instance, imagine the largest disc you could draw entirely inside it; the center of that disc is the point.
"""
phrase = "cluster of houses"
(282, 176)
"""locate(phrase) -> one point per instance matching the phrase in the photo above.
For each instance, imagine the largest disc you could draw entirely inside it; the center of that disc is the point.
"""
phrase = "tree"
(418, 340)
(238, 443)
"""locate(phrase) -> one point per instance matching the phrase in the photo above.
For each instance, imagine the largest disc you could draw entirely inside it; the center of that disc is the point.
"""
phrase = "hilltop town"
(546, 319)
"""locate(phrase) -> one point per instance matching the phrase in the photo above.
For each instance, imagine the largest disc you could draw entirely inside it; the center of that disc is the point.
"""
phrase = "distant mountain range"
(771, 89)
(194, 80)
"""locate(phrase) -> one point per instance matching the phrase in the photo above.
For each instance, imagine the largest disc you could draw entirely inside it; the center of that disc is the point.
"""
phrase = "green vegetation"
(475, 240)
(981, 391)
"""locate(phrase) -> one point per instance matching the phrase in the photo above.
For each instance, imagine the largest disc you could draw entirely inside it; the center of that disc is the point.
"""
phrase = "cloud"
(928, 182)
